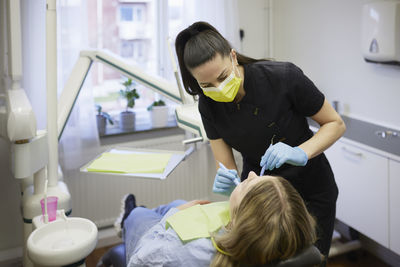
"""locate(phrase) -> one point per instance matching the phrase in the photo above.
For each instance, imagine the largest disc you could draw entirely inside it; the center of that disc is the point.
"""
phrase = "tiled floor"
(358, 258)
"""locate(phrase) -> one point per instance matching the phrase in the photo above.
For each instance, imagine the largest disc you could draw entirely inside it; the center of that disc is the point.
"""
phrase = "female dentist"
(259, 108)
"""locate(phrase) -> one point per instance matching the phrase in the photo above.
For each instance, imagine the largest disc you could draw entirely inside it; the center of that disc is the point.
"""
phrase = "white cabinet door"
(394, 205)
(362, 178)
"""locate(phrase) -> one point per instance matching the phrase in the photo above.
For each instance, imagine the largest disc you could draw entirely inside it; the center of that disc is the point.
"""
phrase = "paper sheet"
(200, 220)
(130, 163)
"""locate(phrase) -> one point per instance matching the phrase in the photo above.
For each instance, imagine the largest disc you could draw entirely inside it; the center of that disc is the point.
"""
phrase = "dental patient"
(265, 221)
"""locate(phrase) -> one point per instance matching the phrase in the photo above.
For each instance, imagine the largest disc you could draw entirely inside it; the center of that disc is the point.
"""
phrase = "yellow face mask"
(226, 91)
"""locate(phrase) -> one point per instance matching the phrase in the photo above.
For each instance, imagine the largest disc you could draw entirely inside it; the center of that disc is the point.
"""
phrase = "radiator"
(97, 197)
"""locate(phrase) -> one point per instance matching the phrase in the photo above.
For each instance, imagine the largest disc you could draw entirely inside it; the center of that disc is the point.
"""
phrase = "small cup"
(51, 207)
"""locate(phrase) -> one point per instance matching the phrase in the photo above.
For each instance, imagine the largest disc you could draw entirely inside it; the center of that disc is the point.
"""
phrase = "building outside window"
(129, 29)
(126, 13)
(136, 30)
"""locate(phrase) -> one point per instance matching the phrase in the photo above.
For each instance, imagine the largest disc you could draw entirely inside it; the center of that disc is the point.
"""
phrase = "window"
(126, 13)
(132, 12)
(139, 14)
(136, 30)
(129, 29)
(127, 49)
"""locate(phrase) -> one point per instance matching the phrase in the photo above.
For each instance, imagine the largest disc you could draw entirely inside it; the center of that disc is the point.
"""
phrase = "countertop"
(366, 133)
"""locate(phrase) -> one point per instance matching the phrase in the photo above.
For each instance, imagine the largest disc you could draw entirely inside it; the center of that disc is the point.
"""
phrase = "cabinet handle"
(387, 134)
(358, 154)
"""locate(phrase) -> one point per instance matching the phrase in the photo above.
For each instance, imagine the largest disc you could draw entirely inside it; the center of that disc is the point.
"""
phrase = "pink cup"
(51, 207)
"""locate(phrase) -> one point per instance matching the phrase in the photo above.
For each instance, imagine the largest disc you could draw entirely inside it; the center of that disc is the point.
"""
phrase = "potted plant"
(158, 113)
(127, 117)
(101, 119)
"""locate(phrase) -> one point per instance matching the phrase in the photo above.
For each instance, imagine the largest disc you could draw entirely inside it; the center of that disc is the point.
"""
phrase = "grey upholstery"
(307, 258)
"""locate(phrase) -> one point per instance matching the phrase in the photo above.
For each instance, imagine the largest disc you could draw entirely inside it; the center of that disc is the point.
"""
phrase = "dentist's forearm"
(328, 134)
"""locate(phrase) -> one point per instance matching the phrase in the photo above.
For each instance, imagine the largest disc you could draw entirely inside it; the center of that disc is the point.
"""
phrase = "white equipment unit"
(381, 32)
(35, 153)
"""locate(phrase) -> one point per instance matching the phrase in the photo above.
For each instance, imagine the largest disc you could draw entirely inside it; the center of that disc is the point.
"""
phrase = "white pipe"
(100, 67)
(39, 179)
(3, 47)
(3, 69)
(51, 85)
(14, 43)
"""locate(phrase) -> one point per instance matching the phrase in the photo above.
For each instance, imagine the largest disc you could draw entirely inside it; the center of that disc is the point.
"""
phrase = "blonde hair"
(270, 224)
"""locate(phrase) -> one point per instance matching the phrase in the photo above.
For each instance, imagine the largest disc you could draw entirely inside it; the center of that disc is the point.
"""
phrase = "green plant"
(104, 114)
(156, 104)
(129, 93)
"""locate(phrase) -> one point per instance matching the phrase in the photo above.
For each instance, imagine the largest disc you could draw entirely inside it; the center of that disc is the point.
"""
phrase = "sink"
(62, 242)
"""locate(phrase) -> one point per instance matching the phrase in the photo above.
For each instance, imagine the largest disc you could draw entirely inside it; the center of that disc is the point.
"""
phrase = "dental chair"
(311, 256)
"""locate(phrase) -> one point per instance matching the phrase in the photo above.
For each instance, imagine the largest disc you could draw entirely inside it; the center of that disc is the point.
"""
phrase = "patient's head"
(270, 222)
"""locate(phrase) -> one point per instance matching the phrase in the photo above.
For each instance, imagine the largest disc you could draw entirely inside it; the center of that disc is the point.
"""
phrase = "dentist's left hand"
(224, 181)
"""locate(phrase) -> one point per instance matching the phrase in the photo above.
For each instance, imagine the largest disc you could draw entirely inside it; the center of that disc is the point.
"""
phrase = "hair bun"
(193, 31)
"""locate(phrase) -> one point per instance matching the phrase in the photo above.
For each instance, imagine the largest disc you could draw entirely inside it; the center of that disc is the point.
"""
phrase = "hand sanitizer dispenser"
(381, 32)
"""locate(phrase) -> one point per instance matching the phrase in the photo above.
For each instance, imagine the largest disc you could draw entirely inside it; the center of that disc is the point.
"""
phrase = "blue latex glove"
(225, 181)
(281, 153)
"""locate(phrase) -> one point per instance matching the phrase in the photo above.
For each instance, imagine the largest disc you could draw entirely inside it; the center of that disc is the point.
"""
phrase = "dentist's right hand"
(225, 181)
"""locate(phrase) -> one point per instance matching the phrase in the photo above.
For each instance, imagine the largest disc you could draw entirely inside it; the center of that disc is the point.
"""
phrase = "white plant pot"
(101, 124)
(159, 116)
(127, 120)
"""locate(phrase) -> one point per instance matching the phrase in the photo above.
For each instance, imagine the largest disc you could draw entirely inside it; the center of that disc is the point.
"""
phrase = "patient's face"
(241, 190)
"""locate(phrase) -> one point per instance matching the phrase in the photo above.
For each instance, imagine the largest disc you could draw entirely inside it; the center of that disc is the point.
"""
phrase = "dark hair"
(198, 44)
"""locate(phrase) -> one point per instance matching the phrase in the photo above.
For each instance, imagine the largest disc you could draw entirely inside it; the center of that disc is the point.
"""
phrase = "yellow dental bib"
(200, 220)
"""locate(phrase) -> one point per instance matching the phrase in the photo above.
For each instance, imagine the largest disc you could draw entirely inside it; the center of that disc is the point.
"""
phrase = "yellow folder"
(130, 163)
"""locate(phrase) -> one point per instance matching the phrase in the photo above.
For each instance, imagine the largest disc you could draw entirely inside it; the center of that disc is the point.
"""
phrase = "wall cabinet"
(363, 181)
(394, 205)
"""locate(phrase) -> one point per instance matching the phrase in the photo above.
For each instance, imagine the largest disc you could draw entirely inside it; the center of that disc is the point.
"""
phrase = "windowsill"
(139, 128)
(115, 135)
(143, 129)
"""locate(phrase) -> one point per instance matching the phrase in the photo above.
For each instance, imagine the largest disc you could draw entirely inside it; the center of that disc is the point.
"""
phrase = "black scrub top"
(278, 99)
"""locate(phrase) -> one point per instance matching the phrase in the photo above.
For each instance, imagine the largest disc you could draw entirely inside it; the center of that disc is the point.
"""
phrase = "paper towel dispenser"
(381, 32)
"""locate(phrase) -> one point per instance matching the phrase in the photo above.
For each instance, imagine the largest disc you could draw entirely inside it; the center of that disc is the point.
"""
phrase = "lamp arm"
(154, 82)
(71, 92)
(74, 83)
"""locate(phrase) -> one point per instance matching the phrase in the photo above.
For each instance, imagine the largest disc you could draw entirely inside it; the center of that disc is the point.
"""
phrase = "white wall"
(253, 19)
(323, 38)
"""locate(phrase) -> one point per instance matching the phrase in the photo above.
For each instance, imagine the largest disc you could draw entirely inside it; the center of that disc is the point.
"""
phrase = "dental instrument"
(263, 168)
(236, 181)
